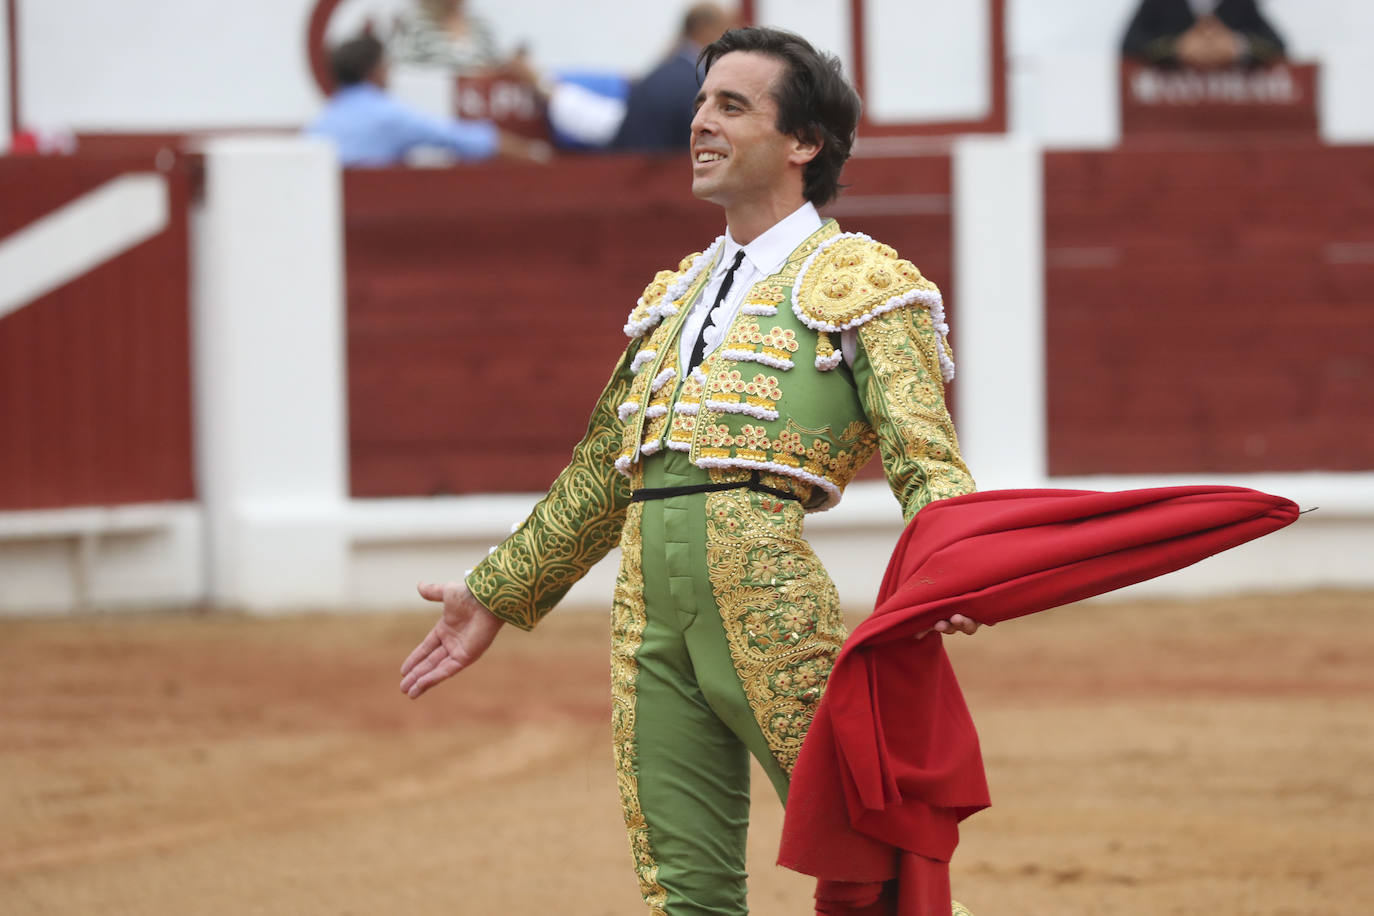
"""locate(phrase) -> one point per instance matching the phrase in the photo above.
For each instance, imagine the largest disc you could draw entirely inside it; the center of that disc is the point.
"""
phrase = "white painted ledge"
(133, 557)
(398, 542)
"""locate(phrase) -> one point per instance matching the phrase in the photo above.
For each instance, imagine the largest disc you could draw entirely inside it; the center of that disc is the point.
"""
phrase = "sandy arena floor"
(1146, 759)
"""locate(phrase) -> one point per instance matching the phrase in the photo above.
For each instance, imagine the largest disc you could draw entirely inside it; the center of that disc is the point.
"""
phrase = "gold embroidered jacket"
(776, 396)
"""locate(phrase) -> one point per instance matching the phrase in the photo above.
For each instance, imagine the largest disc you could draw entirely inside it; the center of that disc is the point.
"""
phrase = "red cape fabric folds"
(891, 762)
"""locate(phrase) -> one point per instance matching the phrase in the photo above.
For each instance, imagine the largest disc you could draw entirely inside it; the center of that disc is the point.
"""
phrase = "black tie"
(699, 350)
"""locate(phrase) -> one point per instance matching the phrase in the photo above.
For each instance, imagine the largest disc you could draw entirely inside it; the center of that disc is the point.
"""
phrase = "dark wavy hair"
(353, 61)
(815, 102)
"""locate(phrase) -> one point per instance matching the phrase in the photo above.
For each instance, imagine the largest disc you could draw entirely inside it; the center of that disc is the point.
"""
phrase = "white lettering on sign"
(512, 101)
(471, 103)
(1274, 86)
(56, 248)
(499, 100)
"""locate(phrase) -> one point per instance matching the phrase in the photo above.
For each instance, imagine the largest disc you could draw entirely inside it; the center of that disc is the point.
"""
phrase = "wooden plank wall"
(485, 304)
(1210, 308)
(95, 392)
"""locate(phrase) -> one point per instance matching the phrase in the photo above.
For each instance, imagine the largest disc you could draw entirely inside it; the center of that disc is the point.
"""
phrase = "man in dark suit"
(1201, 34)
(658, 112)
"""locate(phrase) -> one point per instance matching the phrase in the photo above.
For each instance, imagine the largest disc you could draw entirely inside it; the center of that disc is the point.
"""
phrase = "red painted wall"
(1210, 308)
(95, 403)
(485, 304)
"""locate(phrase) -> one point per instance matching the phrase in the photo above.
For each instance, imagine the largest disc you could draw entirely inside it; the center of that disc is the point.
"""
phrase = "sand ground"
(1145, 758)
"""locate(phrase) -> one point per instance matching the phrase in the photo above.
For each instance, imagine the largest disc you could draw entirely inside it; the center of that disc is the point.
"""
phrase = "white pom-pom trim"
(667, 305)
(641, 327)
(937, 321)
(826, 363)
(655, 411)
(687, 408)
(663, 310)
(678, 446)
(766, 311)
(662, 379)
(680, 286)
(642, 359)
(627, 410)
(753, 356)
(752, 410)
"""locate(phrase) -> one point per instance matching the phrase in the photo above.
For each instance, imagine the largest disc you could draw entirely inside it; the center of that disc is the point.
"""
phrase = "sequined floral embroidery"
(779, 608)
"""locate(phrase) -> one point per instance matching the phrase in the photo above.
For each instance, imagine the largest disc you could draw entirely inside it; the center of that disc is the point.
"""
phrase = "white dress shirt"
(763, 257)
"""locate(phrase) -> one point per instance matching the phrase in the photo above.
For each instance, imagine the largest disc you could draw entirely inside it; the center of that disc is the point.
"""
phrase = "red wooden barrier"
(1210, 309)
(95, 403)
(485, 304)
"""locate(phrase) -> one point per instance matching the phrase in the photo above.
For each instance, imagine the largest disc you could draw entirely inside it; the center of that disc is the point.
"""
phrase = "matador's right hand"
(463, 633)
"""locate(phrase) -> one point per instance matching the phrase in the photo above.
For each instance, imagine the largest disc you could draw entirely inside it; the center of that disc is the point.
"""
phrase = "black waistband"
(753, 483)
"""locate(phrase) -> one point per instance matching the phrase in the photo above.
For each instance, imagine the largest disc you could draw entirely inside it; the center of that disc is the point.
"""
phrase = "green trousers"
(725, 630)
(685, 671)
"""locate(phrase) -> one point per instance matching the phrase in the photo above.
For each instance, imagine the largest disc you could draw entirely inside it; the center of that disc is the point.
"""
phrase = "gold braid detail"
(780, 611)
(627, 634)
(904, 396)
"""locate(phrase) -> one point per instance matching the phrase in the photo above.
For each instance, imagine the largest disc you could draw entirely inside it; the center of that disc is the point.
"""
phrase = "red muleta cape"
(891, 762)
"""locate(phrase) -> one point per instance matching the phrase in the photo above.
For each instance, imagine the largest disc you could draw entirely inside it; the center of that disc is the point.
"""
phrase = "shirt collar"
(767, 253)
(357, 90)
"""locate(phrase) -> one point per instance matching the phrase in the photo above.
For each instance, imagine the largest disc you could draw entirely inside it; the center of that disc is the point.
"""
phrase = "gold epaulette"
(851, 279)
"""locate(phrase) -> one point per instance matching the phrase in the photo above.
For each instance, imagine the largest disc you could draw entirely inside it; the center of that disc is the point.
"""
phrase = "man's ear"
(804, 148)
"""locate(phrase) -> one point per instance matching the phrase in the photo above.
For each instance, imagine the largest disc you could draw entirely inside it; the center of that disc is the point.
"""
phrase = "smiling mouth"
(706, 156)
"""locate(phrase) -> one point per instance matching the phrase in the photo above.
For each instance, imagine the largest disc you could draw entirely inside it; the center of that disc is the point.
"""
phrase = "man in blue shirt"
(372, 129)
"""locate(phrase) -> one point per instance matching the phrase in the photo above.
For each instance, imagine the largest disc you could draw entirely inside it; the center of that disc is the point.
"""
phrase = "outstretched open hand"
(463, 633)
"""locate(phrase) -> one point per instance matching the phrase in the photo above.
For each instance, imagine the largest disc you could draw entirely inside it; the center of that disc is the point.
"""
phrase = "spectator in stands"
(372, 129)
(654, 114)
(443, 33)
(1201, 34)
(658, 112)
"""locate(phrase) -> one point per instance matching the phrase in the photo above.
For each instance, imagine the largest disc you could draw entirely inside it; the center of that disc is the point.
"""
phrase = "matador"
(761, 374)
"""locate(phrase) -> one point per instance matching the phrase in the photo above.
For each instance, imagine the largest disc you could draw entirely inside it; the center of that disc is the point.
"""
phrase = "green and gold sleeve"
(897, 373)
(570, 529)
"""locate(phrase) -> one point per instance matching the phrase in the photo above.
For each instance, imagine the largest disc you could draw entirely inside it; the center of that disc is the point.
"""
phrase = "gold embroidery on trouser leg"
(780, 610)
(627, 633)
(958, 909)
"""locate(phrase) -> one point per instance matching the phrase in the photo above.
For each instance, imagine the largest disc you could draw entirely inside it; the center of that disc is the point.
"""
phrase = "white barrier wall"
(269, 374)
(998, 207)
(276, 531)
(999, 217)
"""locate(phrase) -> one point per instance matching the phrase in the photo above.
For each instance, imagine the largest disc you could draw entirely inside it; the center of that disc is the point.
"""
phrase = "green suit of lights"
(725, 624)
